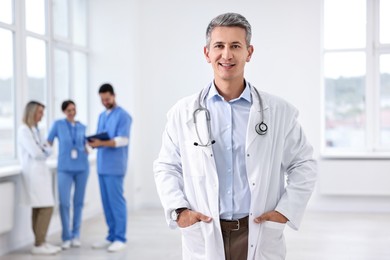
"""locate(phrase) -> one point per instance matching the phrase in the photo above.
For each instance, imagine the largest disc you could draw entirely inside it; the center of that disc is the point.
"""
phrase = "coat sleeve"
(301, 171)
(26, 140)
(168, 170)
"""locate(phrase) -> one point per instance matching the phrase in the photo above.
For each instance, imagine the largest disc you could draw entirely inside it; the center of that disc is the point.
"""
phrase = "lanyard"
(36, 138)
(72, 132)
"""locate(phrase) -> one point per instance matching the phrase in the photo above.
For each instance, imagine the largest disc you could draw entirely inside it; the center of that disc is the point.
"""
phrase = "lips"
(227, 65)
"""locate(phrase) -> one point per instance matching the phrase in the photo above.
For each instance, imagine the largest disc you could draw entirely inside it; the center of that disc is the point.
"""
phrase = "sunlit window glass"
(60, 18)
(384, 25)
(35, 16)
(6, 11)
(61, 80)
(7, 114)
(344, 24)
(80, 86)
(344, 98)
(385, 99)
(36, 69)
(80, 22)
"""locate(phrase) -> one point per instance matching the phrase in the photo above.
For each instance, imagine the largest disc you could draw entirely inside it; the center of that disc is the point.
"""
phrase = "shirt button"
(247, 155)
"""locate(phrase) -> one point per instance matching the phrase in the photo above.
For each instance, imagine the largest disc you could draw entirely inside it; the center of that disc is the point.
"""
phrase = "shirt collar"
(246, 94)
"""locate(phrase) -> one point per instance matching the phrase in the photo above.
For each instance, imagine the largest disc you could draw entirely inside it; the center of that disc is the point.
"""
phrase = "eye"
(218, 46)
(236, 46)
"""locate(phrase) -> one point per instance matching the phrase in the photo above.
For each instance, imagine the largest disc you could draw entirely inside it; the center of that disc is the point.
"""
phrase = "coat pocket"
(193, 242)
(272, 243)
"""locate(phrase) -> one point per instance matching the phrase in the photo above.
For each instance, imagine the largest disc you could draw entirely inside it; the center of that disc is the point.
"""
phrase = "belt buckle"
(238, 226)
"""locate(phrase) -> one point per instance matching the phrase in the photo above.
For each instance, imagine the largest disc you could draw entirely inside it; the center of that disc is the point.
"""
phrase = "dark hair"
(106, 88)
(66, 103)
(229, 20)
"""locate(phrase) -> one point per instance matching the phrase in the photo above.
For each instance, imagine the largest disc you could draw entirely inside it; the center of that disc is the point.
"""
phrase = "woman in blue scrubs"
(73, 169)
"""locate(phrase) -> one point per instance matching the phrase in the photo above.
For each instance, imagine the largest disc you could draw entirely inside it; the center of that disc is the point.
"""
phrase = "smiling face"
(228, 53)
(70, 112)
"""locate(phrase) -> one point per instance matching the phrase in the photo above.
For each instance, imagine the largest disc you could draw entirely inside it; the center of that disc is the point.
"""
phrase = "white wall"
(115, 59)
(286, 62)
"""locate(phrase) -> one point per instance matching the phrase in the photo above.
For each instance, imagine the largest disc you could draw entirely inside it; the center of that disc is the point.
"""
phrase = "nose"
(227, 54)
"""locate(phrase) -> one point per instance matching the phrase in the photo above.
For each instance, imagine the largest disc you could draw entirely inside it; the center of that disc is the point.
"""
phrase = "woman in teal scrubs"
(73, 169)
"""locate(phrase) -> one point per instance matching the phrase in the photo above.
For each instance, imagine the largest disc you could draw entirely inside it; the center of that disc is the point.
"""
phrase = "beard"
(110, 106)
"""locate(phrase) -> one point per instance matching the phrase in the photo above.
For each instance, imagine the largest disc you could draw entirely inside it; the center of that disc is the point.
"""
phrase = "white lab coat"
(186, 176)
(37, 188)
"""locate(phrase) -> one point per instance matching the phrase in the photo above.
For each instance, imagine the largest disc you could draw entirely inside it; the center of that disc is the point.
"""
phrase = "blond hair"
(30, 111)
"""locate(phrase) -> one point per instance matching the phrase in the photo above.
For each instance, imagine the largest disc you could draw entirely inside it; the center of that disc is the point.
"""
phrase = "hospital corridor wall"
(152, 53)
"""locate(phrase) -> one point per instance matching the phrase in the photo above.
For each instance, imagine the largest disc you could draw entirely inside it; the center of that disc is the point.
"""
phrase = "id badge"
(73, 154)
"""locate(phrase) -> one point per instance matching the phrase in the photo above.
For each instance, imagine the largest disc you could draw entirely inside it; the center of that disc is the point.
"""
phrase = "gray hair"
(229, 20)
(30, 111)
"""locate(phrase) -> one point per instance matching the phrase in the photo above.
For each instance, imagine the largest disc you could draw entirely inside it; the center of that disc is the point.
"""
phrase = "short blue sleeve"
(53, 132)
(124, 125)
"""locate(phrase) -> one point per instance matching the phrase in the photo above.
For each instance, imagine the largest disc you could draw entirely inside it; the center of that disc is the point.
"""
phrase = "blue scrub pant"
(114, 206)
(65, 181)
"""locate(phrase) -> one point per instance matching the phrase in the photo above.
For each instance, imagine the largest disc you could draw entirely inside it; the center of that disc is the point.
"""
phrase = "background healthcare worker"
(37, 179)
(73, 170)
(225, 156)
(112, 165)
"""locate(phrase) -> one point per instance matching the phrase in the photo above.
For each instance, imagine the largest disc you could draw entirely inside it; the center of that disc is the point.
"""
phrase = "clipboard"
(101, 136)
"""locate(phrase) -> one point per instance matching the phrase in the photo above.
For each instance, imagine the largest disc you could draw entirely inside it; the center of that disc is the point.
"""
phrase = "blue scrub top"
(70, 137)
(113, 160)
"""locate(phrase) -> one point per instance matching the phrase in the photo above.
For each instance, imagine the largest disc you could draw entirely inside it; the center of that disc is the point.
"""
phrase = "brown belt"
(234, 225)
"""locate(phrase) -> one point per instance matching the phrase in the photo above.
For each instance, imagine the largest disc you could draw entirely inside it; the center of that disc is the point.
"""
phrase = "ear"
(206, 53)
(250, 52)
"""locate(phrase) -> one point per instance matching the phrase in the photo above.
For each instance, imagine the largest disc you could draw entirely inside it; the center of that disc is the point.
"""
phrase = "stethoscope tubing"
(260, 128)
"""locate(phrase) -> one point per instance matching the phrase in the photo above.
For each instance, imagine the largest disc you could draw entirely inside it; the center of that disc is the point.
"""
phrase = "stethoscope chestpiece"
(261, 128)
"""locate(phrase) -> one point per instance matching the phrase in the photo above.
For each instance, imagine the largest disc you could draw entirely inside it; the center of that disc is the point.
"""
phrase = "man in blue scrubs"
(112, 164)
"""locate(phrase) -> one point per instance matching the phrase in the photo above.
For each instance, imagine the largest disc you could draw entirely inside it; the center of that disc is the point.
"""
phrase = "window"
(61, 80)
(356, 77)
(6, 11)
(49, 57)
(7, 112)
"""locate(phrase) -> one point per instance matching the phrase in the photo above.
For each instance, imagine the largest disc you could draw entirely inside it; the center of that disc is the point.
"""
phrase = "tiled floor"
(323, 236)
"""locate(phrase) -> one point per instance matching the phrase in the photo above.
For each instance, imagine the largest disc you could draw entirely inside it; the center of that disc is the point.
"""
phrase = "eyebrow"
(236, 42)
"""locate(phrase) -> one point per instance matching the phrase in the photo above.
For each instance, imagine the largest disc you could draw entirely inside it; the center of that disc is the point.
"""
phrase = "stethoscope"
(260, 128)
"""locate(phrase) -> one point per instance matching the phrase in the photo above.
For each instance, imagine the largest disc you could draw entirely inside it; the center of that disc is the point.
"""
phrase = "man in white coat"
(235, 165)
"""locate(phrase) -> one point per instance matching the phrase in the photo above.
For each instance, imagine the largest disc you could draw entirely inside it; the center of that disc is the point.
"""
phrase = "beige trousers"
(40, 223)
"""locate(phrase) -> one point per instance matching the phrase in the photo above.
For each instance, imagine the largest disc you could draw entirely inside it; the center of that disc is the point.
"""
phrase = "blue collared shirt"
(229, 120)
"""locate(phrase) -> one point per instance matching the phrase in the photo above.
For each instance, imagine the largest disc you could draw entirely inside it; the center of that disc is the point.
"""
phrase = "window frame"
(20, 77)
(372, 50)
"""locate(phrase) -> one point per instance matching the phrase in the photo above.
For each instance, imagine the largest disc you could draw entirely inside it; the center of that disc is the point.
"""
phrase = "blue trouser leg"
(64, 186)
(106, 207)
(80, 180)
(114, 205)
